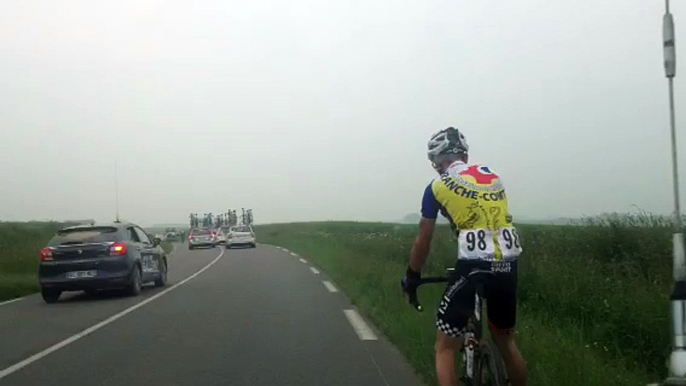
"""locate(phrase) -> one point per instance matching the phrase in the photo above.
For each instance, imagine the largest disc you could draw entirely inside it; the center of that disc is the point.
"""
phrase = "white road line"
(294, 254)
(359, 325)
(285, 250)
(11, 301)
(329, 286)
(303, 260)
(314, 270)
(33, 358)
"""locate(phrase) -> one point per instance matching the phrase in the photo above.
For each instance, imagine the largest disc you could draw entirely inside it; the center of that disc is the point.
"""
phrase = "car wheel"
(190, 247)
(51, 296)
(162, 281)
(134, 288)
(253, 246)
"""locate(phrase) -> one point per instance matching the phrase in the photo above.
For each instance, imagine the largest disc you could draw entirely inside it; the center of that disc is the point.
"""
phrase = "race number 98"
(476, 244)
(476, 239)
(480, 243)
(509, 242)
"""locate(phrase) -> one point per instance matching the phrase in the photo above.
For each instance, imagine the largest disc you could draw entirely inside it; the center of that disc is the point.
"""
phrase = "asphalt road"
(251, 317)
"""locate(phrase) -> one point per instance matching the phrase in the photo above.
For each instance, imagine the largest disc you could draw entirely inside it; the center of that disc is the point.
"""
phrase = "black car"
(92, 257)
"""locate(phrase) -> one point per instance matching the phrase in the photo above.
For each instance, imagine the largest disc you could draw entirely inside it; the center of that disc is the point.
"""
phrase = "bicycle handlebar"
(414, 301)
(476, 275)
(437, 279)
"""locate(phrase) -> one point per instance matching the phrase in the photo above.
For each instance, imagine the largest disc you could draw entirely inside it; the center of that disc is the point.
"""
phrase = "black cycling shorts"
(500, 291)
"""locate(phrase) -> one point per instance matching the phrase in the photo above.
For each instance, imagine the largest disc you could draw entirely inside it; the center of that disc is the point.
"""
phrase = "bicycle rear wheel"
(490, 369)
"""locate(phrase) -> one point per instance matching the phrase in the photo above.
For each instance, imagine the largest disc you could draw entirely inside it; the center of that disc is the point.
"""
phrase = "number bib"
(509, 243)
(479, 244)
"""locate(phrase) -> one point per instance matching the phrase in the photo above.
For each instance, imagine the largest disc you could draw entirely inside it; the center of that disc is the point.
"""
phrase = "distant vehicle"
(172, 236)
(92, 257)
(222, 233)
(241, 235)
(202, 237)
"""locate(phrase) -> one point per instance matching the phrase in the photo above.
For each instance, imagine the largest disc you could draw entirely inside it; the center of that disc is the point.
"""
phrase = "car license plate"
(81, 274)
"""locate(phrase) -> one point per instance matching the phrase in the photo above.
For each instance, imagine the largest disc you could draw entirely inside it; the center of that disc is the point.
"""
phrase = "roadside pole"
(677, 359)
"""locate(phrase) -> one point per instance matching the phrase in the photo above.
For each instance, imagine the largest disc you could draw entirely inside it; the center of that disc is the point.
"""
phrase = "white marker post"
(677, 359)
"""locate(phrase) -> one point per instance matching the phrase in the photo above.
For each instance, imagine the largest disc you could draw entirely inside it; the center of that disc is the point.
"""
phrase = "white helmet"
(447, 141)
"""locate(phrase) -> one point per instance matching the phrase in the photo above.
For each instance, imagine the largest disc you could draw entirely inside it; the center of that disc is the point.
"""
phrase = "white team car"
(241, 235)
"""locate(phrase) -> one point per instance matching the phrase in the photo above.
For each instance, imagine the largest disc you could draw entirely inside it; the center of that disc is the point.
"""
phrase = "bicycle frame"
(473, 336)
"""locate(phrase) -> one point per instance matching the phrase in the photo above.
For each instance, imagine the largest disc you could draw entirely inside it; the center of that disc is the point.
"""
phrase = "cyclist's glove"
(411, 281)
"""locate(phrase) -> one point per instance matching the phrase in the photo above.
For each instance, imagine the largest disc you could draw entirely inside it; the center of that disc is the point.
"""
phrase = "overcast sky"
(315, 110)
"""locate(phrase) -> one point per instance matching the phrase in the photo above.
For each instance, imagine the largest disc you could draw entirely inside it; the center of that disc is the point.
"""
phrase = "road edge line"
(12, 300)
(329, 286)
(362, 329)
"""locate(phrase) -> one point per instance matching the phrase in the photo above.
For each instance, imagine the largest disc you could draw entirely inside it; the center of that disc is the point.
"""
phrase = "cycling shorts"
(458, 302)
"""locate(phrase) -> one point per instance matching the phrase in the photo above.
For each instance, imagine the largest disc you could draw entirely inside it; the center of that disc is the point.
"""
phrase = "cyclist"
(472, 198)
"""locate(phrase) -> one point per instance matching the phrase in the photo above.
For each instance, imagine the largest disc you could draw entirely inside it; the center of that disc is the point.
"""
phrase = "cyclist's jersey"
(472, 198)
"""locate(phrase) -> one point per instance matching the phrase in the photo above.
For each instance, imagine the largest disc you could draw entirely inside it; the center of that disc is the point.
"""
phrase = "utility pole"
(116, 191)
(677, 359)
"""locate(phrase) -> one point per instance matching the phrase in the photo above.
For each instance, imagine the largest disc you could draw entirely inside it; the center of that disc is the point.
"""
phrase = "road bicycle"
(482, 364)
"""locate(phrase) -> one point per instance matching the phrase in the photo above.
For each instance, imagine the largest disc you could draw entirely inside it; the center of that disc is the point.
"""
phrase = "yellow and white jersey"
(473, 199)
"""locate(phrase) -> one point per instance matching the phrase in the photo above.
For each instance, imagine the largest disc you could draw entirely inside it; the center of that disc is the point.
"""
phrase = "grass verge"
(20, 245)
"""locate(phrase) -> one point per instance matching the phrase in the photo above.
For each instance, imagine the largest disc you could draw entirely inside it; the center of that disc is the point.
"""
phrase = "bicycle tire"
(490, 369)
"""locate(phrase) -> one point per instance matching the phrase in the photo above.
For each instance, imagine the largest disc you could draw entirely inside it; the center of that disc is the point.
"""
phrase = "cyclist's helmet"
(446, 142)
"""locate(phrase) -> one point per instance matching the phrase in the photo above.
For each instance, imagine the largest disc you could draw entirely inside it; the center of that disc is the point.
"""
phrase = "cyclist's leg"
(456, 306)
(514, 361)
(446, 351)
(501, 295)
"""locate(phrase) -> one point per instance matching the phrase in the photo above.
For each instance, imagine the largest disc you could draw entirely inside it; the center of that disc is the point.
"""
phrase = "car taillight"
(190, 237)
(118, 249)
(211, 234)
(46, 254)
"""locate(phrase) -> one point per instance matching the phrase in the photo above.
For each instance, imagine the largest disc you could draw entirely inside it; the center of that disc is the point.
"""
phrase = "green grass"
(593, 304)
(20, 245)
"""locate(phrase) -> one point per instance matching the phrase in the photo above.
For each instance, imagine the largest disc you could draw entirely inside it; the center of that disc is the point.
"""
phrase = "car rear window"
(84, 236)
(241, 229)
(201, 232)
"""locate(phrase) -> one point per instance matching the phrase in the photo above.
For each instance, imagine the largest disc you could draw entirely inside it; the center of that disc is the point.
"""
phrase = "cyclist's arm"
(422, 245)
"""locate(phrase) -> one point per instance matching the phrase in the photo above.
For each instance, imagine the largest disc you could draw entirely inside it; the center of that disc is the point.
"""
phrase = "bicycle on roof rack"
(482, 363)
